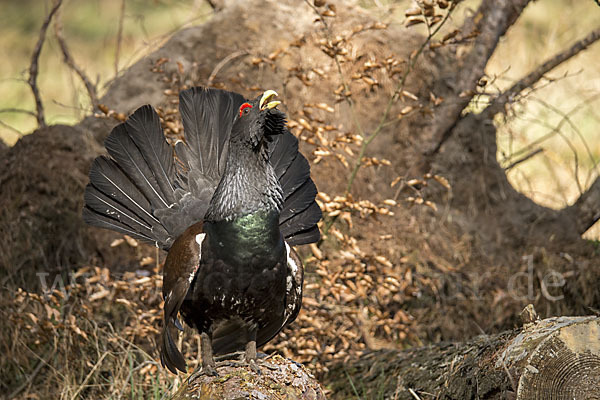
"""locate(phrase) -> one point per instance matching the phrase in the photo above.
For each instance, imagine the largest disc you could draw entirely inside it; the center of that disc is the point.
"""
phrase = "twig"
(119, 37)
(534, 76)
(563, 120)
(414, 394)
(222, 63)
(523, 159)
(33, 66)
(557, 130)
(12, 128)
(566, 118)
(17, 110)
(68, 59)
(89, 375)
(42, 362)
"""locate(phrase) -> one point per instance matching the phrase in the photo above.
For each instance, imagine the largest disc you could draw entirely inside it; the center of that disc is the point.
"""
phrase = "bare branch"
(575, 129)
(534, 76)
(565, 118)
(68, 59)
(587, 208)
(490, 22)
(17, 110)
(524, 158)
(119, 37)
(33, 66)
(12, 128)
(222, 63)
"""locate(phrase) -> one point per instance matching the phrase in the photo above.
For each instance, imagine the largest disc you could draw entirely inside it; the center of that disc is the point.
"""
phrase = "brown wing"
(181, 265)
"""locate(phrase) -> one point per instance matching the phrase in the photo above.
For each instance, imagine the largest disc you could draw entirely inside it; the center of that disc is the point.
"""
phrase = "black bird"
(227, 208)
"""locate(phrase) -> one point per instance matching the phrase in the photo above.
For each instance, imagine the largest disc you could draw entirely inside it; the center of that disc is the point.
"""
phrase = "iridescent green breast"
(252, 239)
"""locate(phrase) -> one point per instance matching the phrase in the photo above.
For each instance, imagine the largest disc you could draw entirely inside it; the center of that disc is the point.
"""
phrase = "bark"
(556, 358)
(586, 208)
(279, 379)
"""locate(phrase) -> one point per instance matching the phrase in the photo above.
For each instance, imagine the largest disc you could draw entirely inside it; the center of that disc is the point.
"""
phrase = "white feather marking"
(291, 263)
(199, 238)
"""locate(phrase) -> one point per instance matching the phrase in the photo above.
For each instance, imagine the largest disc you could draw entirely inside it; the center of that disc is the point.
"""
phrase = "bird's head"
(258, 121)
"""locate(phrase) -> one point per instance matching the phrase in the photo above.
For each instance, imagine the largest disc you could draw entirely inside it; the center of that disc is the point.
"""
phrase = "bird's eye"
(245, 109)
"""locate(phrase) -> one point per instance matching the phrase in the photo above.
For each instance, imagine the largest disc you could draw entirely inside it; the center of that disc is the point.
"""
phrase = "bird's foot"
(240, 363)
(208, 370)
(254, 367)
(230, 356)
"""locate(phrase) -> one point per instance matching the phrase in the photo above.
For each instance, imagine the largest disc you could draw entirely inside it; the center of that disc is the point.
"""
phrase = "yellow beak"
(265, 102)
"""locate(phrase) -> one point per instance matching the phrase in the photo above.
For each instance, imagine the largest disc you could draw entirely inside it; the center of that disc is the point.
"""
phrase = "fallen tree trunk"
(555, 358)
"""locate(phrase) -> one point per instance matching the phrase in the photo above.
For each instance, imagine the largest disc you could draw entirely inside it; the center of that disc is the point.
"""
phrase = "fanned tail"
(127, 189)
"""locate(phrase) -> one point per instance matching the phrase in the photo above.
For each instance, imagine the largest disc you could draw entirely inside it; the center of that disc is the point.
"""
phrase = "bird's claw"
(208, 370)
(254, 367)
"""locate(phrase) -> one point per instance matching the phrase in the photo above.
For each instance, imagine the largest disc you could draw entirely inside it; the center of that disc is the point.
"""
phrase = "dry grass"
(89, 337)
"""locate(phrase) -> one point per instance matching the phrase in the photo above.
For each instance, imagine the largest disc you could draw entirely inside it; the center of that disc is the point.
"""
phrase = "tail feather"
(109, 179)
(300, 212)
(285, 150)
(122, 148)
(113, 202)
(301, 221)
(298, 201)
(297, 173)
(207, 115)
(310, 235)
(134, 191)
(93, 218)
(145, 131)
(99, 203)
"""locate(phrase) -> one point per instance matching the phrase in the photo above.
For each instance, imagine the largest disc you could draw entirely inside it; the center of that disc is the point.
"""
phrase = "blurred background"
(559, 120)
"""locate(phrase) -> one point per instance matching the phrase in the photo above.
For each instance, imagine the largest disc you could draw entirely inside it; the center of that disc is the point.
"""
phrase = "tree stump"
(279, 379)
(555, 358)
(564, 362)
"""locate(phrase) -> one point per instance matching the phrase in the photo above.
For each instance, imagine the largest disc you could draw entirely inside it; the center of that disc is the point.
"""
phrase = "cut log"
(279, 379)
(556, 358)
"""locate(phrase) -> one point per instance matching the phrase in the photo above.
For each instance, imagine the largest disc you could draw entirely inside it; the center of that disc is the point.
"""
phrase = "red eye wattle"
(244, 107)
